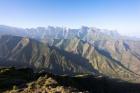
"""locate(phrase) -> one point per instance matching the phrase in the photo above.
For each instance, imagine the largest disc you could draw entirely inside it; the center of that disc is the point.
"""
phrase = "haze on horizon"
(120, 15)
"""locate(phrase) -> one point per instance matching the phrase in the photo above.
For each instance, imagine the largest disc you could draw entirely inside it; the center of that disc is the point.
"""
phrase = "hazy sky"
(121, 15)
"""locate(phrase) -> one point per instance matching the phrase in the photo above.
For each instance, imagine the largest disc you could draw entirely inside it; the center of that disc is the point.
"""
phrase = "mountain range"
(65, 51)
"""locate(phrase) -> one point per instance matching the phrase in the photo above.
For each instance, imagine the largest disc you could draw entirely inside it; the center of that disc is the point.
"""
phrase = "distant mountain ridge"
(58, 32)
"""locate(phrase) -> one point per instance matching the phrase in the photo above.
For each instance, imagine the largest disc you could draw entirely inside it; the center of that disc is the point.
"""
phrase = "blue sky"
(121, 15)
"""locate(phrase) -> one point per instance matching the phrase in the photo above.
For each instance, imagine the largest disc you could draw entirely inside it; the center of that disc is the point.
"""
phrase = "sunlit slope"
(22, 52)
(97, 57)
(127, 52)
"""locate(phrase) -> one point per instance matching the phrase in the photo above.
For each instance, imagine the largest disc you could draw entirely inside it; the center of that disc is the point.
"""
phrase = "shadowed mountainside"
(26, 81)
